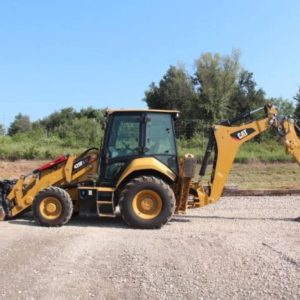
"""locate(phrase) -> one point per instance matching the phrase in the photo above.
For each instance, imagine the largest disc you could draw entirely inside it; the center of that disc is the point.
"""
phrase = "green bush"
(33, 145)
(85, 133)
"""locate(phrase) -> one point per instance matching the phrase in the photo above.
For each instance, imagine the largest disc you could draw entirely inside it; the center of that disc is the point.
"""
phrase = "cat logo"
(241, 134)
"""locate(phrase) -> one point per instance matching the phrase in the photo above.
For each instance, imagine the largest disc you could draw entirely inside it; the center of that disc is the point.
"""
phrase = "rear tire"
(52, 206)
(147, 202)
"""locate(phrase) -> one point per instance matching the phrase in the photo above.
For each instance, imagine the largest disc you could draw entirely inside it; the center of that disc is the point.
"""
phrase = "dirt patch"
(14, 169)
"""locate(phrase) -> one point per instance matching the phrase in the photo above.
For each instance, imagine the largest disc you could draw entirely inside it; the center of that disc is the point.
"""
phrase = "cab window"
(124, 139)
(160, 139)
(159, 135)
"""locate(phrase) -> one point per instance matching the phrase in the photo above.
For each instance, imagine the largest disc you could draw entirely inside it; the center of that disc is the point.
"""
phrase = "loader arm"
(67, 171)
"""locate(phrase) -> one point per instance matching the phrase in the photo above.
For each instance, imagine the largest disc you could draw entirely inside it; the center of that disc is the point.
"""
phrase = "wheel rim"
(147, 204)
(50, 208)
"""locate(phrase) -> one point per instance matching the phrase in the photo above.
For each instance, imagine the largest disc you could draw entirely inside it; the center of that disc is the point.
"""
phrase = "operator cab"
(135, 134)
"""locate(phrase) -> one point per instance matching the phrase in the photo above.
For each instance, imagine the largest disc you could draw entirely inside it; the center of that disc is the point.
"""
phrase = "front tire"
(147, 202)
(52, 206)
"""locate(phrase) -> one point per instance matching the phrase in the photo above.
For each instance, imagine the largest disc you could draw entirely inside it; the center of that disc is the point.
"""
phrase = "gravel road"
(239, 248)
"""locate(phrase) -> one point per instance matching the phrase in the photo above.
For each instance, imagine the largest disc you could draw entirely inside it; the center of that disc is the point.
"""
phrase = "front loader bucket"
(2, 213)
(5, 188)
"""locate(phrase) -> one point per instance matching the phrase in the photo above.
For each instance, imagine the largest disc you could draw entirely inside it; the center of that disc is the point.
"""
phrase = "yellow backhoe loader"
(138, 170)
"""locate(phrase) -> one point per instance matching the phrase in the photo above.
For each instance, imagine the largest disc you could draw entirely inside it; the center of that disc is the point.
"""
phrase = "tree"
(297, 99)
(58, 118)
(60, 121)
(97, 115)
(81, 131)
(246, 97)
(175, 91)
(216, 80)
(2, 129)
(284, 106)
(20, 124)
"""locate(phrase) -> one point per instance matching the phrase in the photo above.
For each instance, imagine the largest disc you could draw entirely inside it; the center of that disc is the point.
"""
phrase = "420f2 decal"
(241, 134)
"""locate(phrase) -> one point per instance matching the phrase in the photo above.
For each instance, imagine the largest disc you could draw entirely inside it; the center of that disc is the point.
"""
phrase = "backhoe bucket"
(2, 213)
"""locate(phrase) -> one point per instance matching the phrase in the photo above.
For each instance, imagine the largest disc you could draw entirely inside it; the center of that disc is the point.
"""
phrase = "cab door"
(160, 139)
(122, 143)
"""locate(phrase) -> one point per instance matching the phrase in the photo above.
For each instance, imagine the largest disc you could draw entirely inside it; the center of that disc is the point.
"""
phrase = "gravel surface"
(239, 248)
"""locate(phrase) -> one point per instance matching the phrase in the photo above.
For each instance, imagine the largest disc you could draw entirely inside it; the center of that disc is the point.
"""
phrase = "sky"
(56, 54)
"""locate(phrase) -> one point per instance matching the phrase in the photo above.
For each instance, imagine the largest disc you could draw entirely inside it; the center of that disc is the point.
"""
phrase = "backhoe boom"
(225, 141)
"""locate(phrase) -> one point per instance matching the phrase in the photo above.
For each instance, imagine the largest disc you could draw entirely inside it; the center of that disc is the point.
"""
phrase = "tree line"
(219, 88)
(74, 127)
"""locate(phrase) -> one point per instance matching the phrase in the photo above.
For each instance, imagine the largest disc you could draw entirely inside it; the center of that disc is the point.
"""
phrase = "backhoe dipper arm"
(226, 140)
(287, 129)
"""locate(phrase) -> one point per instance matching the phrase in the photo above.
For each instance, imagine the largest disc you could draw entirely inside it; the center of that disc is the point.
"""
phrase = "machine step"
(105, 208)
(104, 202)
(107, 215)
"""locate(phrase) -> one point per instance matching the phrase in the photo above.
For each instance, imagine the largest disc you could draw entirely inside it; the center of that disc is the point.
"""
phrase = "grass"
(263, 176)
(268, 151)
(41, 148)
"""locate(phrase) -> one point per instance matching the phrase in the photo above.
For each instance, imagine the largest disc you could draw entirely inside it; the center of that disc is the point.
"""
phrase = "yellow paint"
(110, 111)
(227, 151)
(69, 168)
(105, 189)
(62, 175)
(227, 148)
(147, 163)
(97, 188)
(50, 208)
(291, 140)
(147, 204)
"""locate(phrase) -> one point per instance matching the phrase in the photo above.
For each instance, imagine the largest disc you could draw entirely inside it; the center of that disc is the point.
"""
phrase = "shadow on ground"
(241, 218)
(117, 222)
(92, 221)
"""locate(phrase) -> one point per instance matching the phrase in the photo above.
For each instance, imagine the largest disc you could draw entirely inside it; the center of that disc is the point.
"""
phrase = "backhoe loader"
(138, 170)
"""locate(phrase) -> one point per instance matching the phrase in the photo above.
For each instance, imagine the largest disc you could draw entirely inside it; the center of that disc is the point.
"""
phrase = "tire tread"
(62, 194)
(146, 179)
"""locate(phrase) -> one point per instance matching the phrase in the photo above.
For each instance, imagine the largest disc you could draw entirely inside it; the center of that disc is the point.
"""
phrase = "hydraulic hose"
(210, 147)
(241, 117)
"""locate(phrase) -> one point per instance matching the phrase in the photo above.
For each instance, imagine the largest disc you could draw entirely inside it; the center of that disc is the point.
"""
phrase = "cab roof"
(113, 111)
